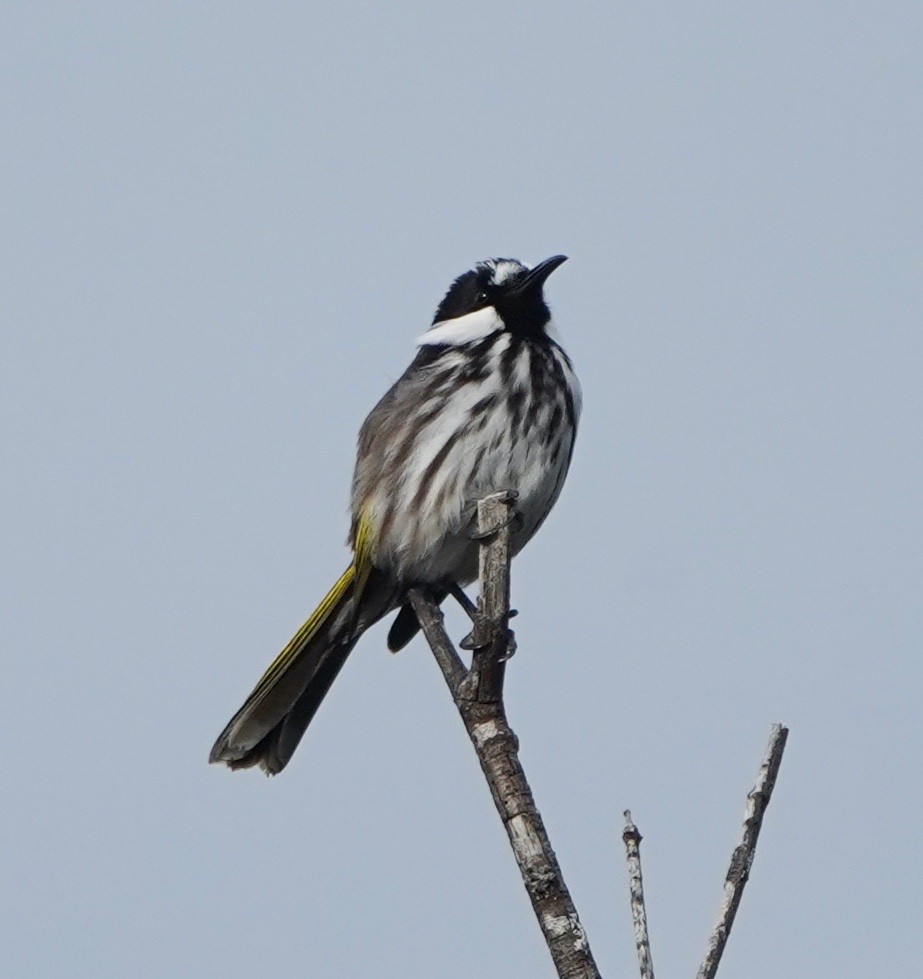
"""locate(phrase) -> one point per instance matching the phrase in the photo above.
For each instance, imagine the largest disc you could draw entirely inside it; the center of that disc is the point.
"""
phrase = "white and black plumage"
(489, 403)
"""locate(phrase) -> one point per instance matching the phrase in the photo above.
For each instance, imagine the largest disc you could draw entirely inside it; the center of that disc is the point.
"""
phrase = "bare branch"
(490, 638)
(632, 839)
(431, 620)
(478, 695)
(742, 857)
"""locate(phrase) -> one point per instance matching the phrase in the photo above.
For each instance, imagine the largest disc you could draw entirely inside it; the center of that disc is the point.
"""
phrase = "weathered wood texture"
(478, 695)
(742, 857)
(632, 840)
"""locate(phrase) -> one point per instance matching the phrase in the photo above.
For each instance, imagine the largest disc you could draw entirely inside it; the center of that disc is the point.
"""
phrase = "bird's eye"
(481, 297)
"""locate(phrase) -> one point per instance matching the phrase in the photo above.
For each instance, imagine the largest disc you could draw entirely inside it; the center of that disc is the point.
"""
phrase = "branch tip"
(742, 858)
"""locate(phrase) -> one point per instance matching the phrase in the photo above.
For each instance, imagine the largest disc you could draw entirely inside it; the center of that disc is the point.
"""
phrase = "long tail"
(268, 727)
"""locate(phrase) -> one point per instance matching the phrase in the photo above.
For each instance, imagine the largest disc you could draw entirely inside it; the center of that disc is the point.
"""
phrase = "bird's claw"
(471, 642)
(474, 642)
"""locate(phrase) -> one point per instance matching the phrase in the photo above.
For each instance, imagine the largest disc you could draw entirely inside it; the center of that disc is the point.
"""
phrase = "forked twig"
(478, 695)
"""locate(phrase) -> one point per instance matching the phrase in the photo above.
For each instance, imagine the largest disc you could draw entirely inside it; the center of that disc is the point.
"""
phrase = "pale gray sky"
(225, 224)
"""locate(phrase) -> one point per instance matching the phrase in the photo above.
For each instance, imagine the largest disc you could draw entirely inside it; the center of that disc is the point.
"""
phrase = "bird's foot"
(481, 636)
(458, 593)
(470, 608)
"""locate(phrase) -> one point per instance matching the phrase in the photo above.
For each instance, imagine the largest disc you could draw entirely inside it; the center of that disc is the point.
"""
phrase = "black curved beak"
(535, 278)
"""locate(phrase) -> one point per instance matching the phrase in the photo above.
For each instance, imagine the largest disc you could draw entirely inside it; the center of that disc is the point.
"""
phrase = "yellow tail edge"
(307, 631)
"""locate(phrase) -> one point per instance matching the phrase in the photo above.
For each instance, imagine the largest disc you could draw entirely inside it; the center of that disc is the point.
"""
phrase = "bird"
(490, 403)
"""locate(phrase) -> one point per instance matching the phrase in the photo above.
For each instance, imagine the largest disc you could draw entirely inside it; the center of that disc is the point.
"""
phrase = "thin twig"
(478, 695)
(742, 857)
(632, 839)
(431, 620)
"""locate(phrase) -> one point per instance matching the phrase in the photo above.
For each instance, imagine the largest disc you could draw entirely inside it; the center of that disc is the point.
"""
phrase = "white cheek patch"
(463, 329)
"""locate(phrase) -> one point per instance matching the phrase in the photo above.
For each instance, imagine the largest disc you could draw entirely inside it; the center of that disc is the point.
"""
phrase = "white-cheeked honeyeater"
(489, 403)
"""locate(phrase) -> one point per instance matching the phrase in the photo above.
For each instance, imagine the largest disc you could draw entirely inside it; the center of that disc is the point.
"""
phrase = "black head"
(513, 289)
